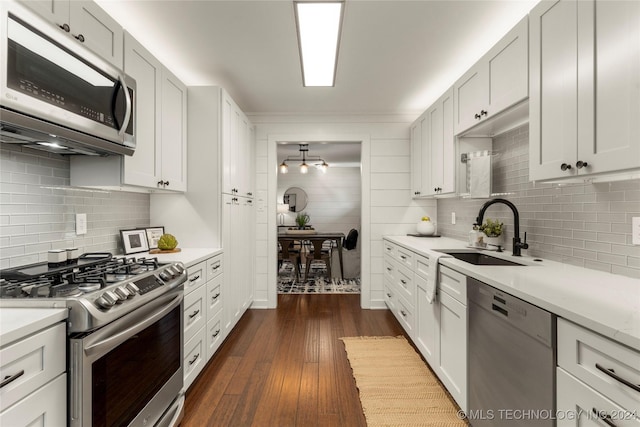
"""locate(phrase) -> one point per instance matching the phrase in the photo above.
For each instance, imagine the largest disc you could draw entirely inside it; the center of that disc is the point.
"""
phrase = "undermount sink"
(479, 258)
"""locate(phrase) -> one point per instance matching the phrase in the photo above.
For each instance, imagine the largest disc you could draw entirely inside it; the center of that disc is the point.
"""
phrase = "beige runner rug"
(396, 387)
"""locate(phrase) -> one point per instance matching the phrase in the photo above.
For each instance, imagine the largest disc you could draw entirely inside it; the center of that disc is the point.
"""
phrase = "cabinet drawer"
(47, 407)
(214, 334)
(33, 361)
(422, 266)
(601, 363)
(405, 314)
(389, 296)
(194, 312)
(405, 257)
(197, 276)
(195, 352)
(405, 285)
(214, 296)
(390, 269)
(453, 283)
(214, 266)
(389, 249)
(582, 405)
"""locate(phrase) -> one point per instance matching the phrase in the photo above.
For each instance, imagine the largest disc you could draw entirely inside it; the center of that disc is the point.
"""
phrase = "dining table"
(316, 239)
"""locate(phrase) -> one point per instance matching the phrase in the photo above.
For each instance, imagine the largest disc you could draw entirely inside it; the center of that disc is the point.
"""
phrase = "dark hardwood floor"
(287, 367)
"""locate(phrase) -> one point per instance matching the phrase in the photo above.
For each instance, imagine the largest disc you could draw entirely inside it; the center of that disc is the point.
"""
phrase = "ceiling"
(396, 57)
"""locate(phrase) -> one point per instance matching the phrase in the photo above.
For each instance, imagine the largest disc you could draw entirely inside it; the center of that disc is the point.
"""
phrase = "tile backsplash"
(37, 209)
(588, 225)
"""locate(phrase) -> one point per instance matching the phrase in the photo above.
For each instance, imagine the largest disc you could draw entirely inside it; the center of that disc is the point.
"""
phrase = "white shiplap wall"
(387, 208)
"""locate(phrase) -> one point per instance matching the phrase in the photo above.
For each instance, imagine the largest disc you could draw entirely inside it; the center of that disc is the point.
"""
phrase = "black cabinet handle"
(194, 314)
(215, 297)
(580, 164)
(404, 282)
(65, 27)
(194, 278)
(80, 38)
(195, 357)
(476, 116)
(403, 313)
(612, 374)
(483, 113)
(388, 295)
(216, 333)
(603, 416)
(11, 378)
(565, 166)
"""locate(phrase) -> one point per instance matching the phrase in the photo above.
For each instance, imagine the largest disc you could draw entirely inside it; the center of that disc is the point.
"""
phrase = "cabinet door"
(553, 86)
(227, 121)
(508, 69)
(433, 145)
(247, 225)
(101, 32)
(143, 168)
(174, 132)
(453, 348)
(441, 146)
(56, 11)
(608, 85)
(448, 183)
(416, 158)
(428, 327)
(470, 92)
(46, 407)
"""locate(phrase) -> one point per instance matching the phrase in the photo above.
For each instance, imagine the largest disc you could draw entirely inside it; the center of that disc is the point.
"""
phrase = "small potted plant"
(493, 231)
(302, 219)
(425, 227)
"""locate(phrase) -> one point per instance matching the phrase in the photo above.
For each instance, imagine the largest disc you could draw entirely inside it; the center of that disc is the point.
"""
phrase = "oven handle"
(121, 336)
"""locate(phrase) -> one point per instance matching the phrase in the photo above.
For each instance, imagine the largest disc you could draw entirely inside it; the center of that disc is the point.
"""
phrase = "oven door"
(130, 373)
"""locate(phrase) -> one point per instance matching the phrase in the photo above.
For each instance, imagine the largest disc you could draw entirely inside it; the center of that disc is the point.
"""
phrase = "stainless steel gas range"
(125, 333)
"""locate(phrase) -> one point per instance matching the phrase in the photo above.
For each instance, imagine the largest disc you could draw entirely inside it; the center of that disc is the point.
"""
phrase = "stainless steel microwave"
(57, 95)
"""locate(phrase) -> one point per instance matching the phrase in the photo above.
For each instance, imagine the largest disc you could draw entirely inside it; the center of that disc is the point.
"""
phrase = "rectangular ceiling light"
(319, 25)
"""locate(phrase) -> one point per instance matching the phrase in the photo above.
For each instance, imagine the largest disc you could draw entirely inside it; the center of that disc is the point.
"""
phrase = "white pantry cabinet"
(496, 82)
(160, 159)
(585, 88)
(237, 149)
(418, 171)
(86, 22)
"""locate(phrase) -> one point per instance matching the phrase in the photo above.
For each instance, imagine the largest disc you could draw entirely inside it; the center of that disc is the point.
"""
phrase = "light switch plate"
(453, 217)
(635, 230)
(81, 224)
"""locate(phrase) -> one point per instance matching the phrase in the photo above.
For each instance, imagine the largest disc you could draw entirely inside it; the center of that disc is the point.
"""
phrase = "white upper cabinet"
(496, 82)
(87, 23)
(440, 145)
(160, 158)
(585, 88)
(416, 156)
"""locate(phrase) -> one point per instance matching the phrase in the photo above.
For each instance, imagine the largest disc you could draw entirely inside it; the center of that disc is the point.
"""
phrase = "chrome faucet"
(517, 244)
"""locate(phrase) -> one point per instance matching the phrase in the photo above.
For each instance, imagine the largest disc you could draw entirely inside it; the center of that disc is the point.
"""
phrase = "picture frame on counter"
(153, 235)
(134, 241)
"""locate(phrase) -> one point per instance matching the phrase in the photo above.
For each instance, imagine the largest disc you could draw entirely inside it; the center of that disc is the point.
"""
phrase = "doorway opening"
(319, 217)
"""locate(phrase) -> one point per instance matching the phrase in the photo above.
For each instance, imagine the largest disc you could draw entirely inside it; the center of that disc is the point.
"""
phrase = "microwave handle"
(127, 100)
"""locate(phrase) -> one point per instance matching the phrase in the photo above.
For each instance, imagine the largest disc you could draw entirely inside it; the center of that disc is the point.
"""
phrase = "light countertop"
(603, 302)
(187, 256)
(17, 323)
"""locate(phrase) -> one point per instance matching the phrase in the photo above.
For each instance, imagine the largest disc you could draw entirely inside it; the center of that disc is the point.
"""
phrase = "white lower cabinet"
(452, 360)
(598, 380)
(203, 314)
(427, 315)
(35, 389)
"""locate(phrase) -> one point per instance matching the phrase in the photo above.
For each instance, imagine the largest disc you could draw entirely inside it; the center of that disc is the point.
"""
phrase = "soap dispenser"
(473, 236)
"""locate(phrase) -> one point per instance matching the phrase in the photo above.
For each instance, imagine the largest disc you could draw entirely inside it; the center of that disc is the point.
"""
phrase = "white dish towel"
(433, 276)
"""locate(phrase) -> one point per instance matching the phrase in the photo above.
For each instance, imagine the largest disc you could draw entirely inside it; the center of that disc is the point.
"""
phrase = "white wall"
(387, 208)
(333, 197)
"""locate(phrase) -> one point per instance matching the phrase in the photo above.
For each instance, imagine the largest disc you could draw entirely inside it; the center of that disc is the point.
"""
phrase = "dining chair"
(290, 252)
(317, 251)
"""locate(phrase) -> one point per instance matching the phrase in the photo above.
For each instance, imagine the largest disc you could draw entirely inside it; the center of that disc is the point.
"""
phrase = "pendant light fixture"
(304, 167)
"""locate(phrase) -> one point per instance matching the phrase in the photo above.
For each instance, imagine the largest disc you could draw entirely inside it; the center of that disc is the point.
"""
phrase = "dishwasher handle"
(500, 310)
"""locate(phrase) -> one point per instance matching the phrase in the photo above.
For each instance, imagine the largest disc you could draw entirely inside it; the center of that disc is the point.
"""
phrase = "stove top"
(97, 288)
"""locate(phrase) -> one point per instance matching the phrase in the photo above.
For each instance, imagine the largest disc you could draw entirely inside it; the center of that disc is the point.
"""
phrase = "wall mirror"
(296, 198)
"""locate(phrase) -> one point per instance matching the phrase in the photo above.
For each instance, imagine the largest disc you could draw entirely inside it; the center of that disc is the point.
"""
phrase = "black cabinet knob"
(65, 27)
(80, 38)
(565, 166)
(580, 164)
(477, 116)
(483, 113)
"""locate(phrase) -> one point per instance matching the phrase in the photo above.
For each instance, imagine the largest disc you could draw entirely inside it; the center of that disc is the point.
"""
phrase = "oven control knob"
(107, 300)
(122, 293)
(164, 276)
(170, 272)
(178, 268)
(132, 288)
(113, 296)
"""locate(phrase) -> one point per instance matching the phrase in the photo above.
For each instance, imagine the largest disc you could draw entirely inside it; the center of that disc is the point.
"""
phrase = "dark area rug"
(317, 282)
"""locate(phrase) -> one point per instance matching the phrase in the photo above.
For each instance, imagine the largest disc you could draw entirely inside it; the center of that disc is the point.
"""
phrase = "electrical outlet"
(81, 224)
(635, 230)
(453, 217)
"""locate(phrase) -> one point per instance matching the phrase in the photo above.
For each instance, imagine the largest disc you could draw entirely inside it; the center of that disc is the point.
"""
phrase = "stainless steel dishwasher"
(511, 360)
